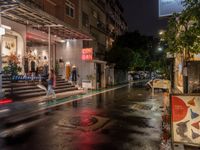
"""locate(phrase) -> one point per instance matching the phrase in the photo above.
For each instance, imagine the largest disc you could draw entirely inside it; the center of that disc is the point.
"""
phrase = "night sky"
(142, 15)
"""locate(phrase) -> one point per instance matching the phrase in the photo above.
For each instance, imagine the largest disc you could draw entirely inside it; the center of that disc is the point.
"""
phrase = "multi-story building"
(103, 19)
(41, 34)
(48, 31)
(116, 24)
(94, 21)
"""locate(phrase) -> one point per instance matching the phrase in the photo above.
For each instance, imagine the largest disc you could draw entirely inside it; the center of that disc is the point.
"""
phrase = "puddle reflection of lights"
(5, 101)
(42, 103)
(4, 134)
(4, 110)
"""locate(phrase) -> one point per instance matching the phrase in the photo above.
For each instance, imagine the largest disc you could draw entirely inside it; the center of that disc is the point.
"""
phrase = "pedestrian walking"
(51, 84)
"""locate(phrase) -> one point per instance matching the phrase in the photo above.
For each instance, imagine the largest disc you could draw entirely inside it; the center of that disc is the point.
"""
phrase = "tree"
(183, 34)
(122, 57)
(133, 51)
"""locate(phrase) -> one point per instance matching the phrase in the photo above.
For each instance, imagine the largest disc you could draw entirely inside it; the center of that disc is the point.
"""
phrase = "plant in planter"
(90, 78)
(12, 68)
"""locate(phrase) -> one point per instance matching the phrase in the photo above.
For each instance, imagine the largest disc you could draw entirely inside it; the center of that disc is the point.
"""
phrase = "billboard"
(168, 7)
(186, 119)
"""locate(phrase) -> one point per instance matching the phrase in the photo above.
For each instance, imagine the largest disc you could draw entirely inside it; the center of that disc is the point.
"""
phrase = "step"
(63, 83)
(60, 81)
(64, 86)
(26, 91)
(65, 90)
(6, 82)
(33, 89)
(29, 95)
(23, 81)
(21, 88)
(19, 85)
(32, 86)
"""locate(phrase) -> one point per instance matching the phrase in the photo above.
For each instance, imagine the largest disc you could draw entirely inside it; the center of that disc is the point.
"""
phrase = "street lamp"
(161, 32)
(160, 49)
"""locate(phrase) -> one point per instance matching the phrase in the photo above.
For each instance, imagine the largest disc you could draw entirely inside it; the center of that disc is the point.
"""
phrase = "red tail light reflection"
(5, 101)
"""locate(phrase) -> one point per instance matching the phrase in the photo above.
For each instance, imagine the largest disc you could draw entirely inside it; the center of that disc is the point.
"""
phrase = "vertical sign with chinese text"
(87, 54)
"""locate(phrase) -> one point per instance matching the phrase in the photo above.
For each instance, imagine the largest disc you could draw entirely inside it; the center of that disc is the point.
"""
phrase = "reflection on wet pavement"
(123, 119)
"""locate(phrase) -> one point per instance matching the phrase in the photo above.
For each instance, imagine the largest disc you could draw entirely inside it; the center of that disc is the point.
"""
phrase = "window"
(85, 19)
(94, 13)
(86, 44)
(70, 9)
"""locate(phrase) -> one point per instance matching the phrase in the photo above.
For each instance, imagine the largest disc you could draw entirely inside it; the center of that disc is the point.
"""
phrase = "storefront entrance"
(194, 76)
(98, 75)
(37, 56)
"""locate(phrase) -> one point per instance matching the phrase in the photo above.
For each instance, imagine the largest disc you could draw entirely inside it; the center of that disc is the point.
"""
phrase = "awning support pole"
(1, 91)
(49, 47)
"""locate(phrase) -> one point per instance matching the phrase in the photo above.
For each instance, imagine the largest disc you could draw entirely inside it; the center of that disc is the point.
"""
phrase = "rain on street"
(126, 119)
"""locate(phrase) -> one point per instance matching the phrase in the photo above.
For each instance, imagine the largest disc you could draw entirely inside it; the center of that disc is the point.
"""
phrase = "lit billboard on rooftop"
(168, 7)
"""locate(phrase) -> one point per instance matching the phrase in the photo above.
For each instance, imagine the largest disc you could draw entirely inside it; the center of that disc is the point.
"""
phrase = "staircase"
(28, 89)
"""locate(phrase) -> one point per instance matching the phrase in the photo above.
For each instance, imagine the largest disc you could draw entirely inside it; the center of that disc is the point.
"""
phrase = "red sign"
(87, 54)
(179, 109)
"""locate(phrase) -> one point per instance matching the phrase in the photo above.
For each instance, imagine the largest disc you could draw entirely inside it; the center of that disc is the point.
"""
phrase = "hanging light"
(6, 27)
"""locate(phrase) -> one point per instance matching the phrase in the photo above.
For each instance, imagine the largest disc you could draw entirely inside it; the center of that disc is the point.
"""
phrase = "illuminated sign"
(168, 7)
(87, 54)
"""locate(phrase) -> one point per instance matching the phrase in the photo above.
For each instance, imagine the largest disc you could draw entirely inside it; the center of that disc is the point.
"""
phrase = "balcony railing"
(36, 3)
(101, 26)
(100, 4)
(100, 53)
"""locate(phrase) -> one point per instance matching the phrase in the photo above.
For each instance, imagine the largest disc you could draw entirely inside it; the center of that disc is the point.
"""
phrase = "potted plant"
(89, 82)
(12, 68)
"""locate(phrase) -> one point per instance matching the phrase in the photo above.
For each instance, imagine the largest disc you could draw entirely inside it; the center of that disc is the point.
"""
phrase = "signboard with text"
(87, 54)
(168, 7)
(186, 119)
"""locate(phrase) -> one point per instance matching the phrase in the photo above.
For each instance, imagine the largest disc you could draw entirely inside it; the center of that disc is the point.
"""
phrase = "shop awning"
(26, 13)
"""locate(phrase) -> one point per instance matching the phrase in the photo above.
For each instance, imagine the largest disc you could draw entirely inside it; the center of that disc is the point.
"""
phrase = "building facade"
(104, 20)
(58, 33)
(116, 24)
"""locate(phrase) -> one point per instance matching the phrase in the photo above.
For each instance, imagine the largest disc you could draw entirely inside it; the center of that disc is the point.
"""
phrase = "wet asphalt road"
(123, 119)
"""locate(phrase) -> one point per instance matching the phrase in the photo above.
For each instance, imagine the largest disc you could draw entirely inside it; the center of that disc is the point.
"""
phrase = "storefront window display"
(9, 47)
(68, 70)
(36, 57)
